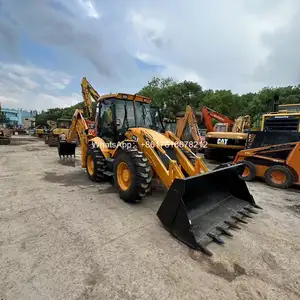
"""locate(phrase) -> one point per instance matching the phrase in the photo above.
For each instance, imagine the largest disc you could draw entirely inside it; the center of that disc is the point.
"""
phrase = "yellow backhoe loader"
(51, 126)
(62, 127)
(40, 131)
(5, 133)
(5, 136)
(199, 206)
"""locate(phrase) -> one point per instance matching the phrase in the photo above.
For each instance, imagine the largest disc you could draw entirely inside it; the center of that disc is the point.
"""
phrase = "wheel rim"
(123, 176)
(90, 165)
(246, 172)
(278, 177)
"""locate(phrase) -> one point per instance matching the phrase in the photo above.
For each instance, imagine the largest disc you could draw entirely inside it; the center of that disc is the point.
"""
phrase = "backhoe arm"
(193, 125)
(241, 124)
(209, 115)
(79, 128)
(88, 92)
(189, 119)
(52, 124)
(181, 123)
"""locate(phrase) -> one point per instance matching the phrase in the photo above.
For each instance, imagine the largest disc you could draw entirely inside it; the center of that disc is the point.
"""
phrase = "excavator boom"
(209, 115)
(87, 92)
(79, 128)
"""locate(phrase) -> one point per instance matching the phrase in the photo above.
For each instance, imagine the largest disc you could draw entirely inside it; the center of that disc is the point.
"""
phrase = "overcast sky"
(47, 46)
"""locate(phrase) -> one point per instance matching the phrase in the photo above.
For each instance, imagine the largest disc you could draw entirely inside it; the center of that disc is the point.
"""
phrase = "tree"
(172, 97)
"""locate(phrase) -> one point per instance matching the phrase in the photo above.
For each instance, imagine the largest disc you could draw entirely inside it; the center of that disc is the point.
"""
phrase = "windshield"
(220, 127)
(171, 127)
(290, 108)
(143, 115)
(156, 119)
(63, 124)
(124, 114)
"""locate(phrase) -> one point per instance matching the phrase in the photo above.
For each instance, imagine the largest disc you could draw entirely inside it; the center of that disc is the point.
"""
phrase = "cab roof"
(124, 96)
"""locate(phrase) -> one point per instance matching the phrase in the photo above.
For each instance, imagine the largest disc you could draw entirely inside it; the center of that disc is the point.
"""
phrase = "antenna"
(275, 103)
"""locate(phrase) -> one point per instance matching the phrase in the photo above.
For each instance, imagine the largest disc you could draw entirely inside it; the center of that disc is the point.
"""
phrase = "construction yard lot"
(65, 237)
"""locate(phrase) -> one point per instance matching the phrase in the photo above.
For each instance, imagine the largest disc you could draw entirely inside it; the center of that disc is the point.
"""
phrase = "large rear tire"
(95, 164)
(132, 175)
(279, 177)
(53, 141)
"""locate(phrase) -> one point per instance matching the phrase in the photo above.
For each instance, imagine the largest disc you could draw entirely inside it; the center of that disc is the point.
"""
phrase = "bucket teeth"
(216, 238)
(240, 219)
(205, 250)
(225, 231)
(246, 215)
(251, 210)
(231, 224)
(257, 206)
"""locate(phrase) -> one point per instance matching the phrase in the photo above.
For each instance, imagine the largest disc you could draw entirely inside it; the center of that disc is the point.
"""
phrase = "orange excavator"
(225, 138)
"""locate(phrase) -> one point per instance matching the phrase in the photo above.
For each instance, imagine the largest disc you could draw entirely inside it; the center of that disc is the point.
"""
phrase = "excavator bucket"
(66, 149)
(198, 210)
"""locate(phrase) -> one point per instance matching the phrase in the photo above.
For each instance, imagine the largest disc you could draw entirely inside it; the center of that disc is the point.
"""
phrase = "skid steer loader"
(271, 155)
(199, 206)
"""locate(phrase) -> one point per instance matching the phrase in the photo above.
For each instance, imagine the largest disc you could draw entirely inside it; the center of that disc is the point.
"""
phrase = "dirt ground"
(64, 237)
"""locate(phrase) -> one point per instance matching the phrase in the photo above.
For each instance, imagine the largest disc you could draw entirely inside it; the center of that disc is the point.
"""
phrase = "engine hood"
(157, 137)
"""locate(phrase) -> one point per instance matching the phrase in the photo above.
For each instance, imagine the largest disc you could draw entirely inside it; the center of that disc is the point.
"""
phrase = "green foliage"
(175, 96)
(59, 113)
(172, 97)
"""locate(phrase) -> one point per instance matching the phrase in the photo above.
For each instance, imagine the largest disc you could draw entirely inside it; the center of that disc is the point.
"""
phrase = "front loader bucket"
(198, 210)
(66, 149)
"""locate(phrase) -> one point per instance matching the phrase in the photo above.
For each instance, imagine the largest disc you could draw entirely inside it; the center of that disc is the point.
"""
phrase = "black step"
(108, 173)
(110, 163)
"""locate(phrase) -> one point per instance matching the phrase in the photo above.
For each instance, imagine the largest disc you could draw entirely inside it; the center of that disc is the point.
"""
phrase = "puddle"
(109, 190)
(34, 149)
(73, 179)
(295, 208)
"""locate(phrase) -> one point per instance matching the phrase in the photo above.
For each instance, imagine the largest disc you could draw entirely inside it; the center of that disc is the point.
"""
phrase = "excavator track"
(5, 141)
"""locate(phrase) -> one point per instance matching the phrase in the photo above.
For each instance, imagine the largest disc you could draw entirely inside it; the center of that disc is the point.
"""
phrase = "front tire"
(95, 164)
(249, 172)
(279, 177)
(132, 175)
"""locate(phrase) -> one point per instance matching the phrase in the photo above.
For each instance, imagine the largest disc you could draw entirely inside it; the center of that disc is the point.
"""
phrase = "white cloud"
(89, 8)
(30, 87)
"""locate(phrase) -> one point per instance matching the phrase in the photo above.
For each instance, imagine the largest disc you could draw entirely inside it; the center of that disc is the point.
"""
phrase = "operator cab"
(221, 127)
(117, 113)
(65, 124)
